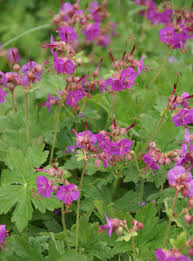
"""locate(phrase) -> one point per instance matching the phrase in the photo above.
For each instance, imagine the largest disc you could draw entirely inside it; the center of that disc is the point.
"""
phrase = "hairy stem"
(141, 190)
(64, 225)
(13, 100)
(23, 34)
(170, 221)
(78, 204)
(56, 130)
(134, 249)
(162, 187)
(27, 116)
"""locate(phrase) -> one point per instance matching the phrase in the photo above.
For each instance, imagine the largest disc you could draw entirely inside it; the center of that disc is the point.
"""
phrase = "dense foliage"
(96, 134)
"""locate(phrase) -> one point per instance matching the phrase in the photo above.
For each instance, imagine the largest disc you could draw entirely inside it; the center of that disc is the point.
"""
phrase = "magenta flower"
(184, 117)
(67, 34)
(108, 226)
(141, 67)
(92, 31)
(178, 172)
(94, 7)
(44, 187)
(3, 79)
(111, 226)
(103, 40)
(68, 193)
(51, 100)
(13, 55)
(80, 138)
(31, 73)
(149, 161)
(74, 97)
(169, 36)
(3, 234)
(184, 102)
(128, 76)
(115, 84)
(67, 11)
(2, 95)
(63, 65)
(170, 255)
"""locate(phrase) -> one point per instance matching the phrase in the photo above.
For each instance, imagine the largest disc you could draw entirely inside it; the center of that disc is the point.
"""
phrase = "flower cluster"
(67, 193)
(175, 33)
(30, 73)
(154, 157)
(88, 21)
(102, 147)
(173, 254)
(125, 73)
(116, 225)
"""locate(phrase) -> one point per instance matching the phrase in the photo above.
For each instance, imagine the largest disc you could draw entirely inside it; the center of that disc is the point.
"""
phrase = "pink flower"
(178, 172)
(184, 117)
(149, 161)
(92, 31)
(51, 100)
(67, 34)
(128, 76)
(63, 65)
(44, 187)
(74, 97)
(111, 226)
(68, 193)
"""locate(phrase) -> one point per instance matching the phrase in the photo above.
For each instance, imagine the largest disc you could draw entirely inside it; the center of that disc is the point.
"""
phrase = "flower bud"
(190, 202)
(140, 225)
(190, 252)
(119, 231)
(16, 67)
(188, 218)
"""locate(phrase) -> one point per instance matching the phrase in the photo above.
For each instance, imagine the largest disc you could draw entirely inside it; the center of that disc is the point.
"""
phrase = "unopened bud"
(190, 202)
(119, 231)
(140, 225)
(188, 218)
(16, 67)
(37, 68)
(190, 252)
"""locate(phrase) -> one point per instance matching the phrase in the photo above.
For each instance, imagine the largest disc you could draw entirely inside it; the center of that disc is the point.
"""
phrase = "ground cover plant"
(96, 137)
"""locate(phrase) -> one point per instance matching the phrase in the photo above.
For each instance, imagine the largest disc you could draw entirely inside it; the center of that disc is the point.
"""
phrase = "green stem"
(162, 187)
(170, 221)
(141, 190)
(27, 116)
(64, 225)
(13, 100)
(56, 130)
(24, 33)
(78, 204)
(134, 249)
(154, 133)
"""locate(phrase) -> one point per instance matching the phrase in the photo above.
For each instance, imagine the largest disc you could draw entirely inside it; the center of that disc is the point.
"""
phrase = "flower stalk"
(64, 225)
(56, 130)
(27, 115)
(78, 204)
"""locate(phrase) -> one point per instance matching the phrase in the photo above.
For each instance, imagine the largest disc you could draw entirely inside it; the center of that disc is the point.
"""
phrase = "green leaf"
(18, 182)
(180, 241)
(127, 236)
